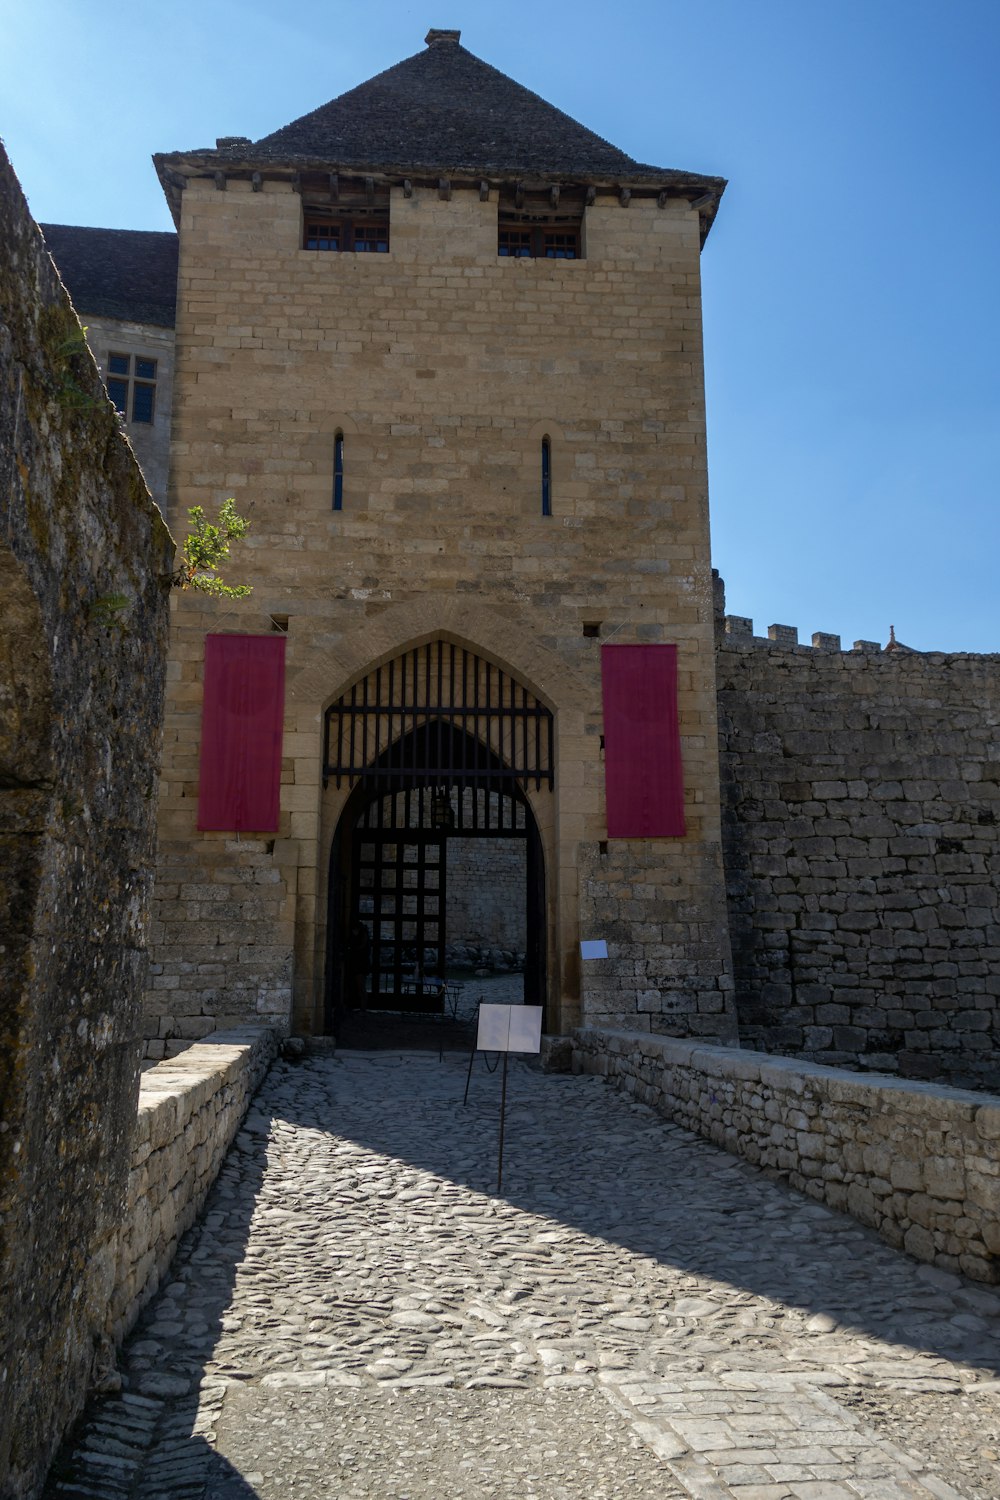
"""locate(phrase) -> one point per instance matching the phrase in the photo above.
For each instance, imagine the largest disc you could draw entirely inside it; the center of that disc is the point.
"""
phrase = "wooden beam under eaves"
(220, 182)
(444, 189)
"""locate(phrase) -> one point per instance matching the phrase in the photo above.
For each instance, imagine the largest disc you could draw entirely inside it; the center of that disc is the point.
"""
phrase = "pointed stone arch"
(507, 638)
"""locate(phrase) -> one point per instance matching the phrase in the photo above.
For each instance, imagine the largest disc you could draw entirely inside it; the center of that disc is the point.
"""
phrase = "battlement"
(740, 627)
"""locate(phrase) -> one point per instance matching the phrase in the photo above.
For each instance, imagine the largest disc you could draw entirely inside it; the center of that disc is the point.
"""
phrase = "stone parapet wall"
(190, 1108)
(861, 807)
(918, 1162)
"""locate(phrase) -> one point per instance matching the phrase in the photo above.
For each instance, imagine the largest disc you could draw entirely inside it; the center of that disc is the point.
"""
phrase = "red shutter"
(241, 724)
(643, 775)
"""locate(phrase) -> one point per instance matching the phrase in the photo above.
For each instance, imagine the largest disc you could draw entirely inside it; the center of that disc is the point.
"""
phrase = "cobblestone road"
(638, 1314)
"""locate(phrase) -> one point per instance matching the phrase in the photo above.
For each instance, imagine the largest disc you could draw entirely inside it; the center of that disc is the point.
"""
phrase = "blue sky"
(852, 311)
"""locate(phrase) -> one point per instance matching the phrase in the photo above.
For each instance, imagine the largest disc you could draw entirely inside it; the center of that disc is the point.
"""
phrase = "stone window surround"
(133, 382)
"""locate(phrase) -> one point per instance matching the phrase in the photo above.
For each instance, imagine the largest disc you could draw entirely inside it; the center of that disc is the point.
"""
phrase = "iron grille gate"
(437, 741)
(500, 731)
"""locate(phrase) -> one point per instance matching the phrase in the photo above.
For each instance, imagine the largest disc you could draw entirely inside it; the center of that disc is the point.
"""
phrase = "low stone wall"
(919, 1162)
(190, 1108)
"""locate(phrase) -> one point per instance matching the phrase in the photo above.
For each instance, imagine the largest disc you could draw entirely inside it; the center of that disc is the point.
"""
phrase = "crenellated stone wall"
(83, 554)
(861, 816)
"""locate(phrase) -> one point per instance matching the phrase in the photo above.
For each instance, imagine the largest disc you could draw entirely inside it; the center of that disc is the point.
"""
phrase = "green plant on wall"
(69, 392)
(205, 549)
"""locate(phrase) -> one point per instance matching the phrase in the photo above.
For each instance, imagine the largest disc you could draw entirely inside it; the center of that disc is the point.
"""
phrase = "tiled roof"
(446, 110)
(128, 274)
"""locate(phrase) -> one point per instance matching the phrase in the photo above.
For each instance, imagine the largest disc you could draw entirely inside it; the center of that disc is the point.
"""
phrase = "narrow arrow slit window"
(338, 471)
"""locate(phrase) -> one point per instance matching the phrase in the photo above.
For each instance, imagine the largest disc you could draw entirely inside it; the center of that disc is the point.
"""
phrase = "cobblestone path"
(638, 1314)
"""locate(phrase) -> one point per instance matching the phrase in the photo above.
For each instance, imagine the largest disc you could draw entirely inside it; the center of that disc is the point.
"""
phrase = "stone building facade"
(123, 283)
(475, 429)
(492, 456)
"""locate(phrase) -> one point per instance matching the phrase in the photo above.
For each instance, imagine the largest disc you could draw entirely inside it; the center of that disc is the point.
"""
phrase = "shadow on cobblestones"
(151, 1440)
(359, 1314)
(590, 1163)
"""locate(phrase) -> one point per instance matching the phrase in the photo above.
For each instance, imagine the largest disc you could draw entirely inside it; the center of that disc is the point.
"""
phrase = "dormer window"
(345, 214)
(540, 225)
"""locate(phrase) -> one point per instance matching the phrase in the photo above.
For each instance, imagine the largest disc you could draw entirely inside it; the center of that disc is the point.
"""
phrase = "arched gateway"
(437, 744)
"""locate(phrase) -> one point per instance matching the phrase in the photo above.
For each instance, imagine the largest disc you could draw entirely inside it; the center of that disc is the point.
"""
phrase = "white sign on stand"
(506, 1029)
(509, 1028)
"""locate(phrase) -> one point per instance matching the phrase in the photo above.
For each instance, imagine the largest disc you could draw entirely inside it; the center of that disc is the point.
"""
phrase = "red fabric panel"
(241, 723)
(643, 775)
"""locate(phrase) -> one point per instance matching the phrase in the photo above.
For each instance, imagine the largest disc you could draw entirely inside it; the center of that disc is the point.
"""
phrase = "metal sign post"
(506, 1029)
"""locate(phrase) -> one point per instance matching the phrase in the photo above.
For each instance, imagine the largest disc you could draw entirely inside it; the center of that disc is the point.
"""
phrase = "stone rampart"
(83, 557)
(190, 1108)
(861, 809)
(918, 1162)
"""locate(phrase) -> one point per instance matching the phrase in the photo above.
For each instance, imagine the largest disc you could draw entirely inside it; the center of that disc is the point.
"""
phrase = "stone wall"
(487, 897)
(917, 1162)
(190, 1109)
(223, 948)
(82, 554)
(667, 965)
(861, 806)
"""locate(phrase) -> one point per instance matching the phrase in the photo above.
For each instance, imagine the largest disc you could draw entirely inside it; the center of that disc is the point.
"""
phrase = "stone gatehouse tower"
(443, 345)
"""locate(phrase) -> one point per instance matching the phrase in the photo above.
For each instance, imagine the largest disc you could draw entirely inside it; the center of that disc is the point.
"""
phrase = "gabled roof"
(127, 274)
(445, 109)
(441, 113)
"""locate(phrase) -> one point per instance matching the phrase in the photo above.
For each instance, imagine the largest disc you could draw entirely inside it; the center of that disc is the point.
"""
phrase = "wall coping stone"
(833, 1135)
(740, 1062)
(226, 1066)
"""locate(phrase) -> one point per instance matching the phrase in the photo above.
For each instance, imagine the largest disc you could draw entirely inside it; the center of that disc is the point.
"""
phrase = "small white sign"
(509, 1028)
(594, 948)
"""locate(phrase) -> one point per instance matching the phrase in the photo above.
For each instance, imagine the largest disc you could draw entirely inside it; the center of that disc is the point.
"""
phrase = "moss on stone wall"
(80, 716)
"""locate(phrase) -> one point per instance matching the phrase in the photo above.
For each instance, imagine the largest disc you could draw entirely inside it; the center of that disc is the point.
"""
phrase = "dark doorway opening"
(388, 980)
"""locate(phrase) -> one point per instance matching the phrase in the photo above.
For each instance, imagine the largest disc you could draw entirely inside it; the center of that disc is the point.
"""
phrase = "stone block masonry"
(442, 366)
(861, 811)
(190, 1109)
(486, 892)
(918, 1162)
(83, 554)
